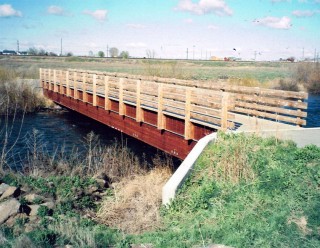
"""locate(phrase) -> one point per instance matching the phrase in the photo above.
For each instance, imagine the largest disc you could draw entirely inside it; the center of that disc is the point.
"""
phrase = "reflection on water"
(313, 118)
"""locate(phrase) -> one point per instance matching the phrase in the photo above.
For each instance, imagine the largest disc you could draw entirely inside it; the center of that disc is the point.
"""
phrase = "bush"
(308, 74)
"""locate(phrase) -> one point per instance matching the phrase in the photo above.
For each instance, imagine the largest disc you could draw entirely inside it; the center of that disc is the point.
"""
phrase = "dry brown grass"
(134, 208)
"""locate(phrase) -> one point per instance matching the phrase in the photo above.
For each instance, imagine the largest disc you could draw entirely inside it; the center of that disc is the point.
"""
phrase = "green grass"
(245, 191)
(242, 209)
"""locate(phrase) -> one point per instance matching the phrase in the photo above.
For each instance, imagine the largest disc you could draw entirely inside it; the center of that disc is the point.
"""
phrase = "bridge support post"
(224, 111)
(54, 80)
(160, 118)
(121, 103)
(67, 84)
(107, 102)
(50, 86)
(139, 110)
(188, 125)
(94, 90)
(84, 88)
(75, 86)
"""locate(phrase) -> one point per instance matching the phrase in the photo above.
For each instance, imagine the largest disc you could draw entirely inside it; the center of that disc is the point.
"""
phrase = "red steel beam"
(167, 141)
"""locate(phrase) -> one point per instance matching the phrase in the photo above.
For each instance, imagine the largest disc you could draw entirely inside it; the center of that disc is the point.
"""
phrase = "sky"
(193, 29)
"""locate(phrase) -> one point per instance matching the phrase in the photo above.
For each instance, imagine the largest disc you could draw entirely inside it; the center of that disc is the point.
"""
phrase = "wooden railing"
(211, 104)
(196, 106)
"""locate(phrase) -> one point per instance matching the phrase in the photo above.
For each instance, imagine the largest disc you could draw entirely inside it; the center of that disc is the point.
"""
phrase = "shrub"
(308, 74)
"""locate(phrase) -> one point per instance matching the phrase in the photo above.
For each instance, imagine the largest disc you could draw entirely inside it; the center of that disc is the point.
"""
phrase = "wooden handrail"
(196, 102)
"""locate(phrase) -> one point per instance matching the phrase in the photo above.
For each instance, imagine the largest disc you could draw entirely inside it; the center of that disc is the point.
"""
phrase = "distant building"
(23, 53)
(9, 52)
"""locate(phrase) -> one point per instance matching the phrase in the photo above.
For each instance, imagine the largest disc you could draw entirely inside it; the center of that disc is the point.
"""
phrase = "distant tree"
(42, 52)
(53, 54)
(114, 52)
(32, 51)
(291, 59)
(150, 54)
(101, 54)
(90, 54)
(124, 54)
(69, 54)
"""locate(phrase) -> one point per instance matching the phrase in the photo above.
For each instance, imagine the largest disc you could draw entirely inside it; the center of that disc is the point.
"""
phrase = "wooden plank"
(188, 125)
(84, 88)
(94, 90)
(224, 111)
(270, 116)
(55, 80)
(271, 101)
(139, 110)
(121, 103)
(107, 102)
(75, 86)
(266, 108)
(160, 117)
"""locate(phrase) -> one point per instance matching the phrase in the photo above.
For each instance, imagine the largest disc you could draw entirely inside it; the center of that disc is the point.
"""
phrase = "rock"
(49, 204)
(13, 219)
(11, 191)
(3, 188)
(103, 180)
(8, 208)
(141, 246)
(30, 198)
(34, 209)
(91, 189)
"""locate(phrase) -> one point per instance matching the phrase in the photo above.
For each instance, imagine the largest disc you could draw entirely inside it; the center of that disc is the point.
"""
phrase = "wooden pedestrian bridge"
(172, 114)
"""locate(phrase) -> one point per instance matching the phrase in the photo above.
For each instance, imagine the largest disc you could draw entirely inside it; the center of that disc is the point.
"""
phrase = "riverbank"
(243, 190)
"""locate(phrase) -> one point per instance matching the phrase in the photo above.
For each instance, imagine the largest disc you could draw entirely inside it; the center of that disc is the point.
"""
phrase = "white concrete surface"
(170, 188)
(301, 136)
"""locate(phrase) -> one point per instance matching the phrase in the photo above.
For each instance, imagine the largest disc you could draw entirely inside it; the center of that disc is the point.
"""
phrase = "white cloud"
(218, 7)
(136, 45)
(55, 10)
(275, 22)
(6, 10)
(99, 14)
(135, 26)
(303, 13)
(189, 21)
(213, 27)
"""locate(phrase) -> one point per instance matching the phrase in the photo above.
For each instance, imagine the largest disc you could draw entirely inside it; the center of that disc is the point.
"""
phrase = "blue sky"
(261, 29)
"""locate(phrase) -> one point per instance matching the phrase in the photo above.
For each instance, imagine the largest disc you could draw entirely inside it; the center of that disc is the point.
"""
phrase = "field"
(187, 69)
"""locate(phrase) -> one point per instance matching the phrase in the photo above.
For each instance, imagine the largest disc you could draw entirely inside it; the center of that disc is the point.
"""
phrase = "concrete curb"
(170, 188)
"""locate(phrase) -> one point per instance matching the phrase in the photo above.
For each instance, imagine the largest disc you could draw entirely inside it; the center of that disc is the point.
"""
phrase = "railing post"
(94, 90)
(84, 88)
(49, 80)
(54, 81)
(188, 125)
(139, 111)
(75, 85)
(107, 102)
(67, 84)
(41, 78)
(121, 103)
(224, 111)
(61, 83)
(161, 118)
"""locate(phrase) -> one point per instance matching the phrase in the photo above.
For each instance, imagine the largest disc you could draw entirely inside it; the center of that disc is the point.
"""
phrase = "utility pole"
(107, 51)
(17, 46)
(187, 53)
(303, 53)
(61, 47)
